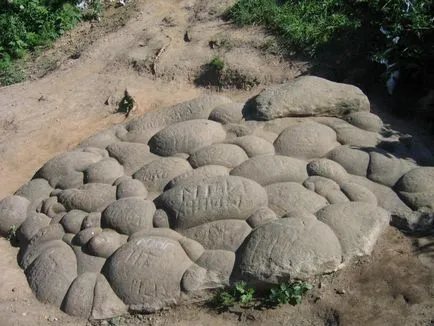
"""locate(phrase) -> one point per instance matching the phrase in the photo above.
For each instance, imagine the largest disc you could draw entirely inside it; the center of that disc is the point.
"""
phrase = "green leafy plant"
(239, 293)
(288, 293)
(217, 63)
(12, 233)
(94, 11)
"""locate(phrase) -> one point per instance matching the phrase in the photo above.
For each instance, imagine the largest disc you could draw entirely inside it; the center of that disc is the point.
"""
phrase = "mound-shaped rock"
(308, 96)
(293, 247)
(227, 155)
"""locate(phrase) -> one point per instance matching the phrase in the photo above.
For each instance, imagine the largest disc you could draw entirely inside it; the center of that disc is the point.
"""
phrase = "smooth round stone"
(227, 113)
(306, 140)
(354, 161)
(35, 190)
(227, 155)
(365, 120)
(73, 220)
(260, 217)
(104, 171)
(31, 226)
(327, 188)
(156, 175)
(131, 188)
(201, 173)
(186, 137)
(13, 212)
(104, 244)
(357, 192)
(79, 298)
(328, 169)
(128, 215)
(417, 180)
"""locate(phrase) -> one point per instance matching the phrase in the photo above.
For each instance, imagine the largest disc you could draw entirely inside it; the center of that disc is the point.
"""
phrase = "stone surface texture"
(152, 212)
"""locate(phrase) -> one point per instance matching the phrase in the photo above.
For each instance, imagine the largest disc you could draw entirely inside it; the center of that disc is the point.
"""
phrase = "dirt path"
(157, 55)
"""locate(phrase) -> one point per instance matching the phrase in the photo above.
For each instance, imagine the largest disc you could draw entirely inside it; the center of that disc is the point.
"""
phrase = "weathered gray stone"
(35, 190)
(131, 188)
(105, 137)
(220, 262)
(417, 180)
(105, 243)
(357, 226)
(73, 220)
(45, 238)
(157, 232)
(156, 175)
(386, 169)
(327, 188)
(356, 192)
(79, 298)
(31, 226)
(51, 207)
(192, 248)
(227, 113)
(143, 128)
(417, 200)
(161, 220)
(13, 212)
(365, 120)
(288, 196)
(65, 170)
(51, 273)
(306, 140)
(128, 215)
(132, 156)
(91, 197)
(266, 170)
(106, 304)
(309, 96)
(201, 173)
(135, 274)
(186, 137)
(354, 161)
(92, 220)
(234, 130)
(294, 247)
(260, 217)
(254, 146)
(227, 155)
(85, 235)
(104, 171)
(197, 278)
(347, 134)
(223, 235)
(219, 198)
(87, 263)
(328, 169)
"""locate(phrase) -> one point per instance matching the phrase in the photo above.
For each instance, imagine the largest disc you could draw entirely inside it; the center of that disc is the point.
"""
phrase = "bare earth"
(148, 55)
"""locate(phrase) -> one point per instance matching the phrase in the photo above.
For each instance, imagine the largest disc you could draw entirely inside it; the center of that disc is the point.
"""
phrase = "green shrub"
(397, 33)
(286, 293)
(240, 292)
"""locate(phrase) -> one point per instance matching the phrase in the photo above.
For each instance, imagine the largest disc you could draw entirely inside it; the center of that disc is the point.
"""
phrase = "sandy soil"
(143, 48)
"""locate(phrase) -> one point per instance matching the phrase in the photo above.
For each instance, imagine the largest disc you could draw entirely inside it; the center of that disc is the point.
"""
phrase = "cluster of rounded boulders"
(151, 213)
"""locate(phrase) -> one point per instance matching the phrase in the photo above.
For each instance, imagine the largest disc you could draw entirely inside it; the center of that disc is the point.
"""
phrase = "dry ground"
(156, 50)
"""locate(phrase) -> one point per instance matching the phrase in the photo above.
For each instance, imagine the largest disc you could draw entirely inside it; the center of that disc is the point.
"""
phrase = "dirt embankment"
(158, 50)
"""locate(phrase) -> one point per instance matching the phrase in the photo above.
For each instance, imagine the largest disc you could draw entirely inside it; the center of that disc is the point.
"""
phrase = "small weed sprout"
(127, 104)
(217, 63)
(12, 233)
(288, 293)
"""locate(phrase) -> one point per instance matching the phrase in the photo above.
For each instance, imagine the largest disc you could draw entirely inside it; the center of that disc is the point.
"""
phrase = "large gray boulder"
(416, 188)
(218, 198)
(79, 298)
(306, 140)
(353, 160)
(357, 225)
(289, 248)
(104, 171)
(91, 197)
(308, 96)
(136, 275)
(201, 173)
(186, 137)
(254, 146)
(266, 170)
